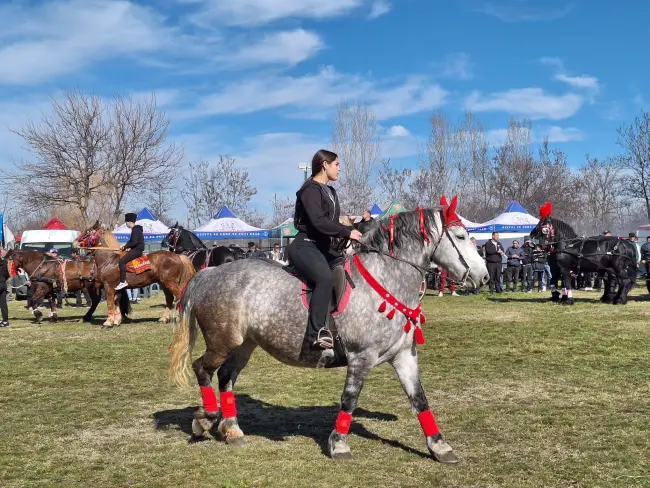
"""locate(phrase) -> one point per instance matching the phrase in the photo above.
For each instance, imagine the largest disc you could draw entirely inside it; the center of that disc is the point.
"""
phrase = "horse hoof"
(236, 442)
(337, 446)
(341, 456)
(163, 320)
(441, 451)
(200, 426)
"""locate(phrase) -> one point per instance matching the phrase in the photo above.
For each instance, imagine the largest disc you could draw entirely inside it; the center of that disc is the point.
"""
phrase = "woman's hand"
(355, 235)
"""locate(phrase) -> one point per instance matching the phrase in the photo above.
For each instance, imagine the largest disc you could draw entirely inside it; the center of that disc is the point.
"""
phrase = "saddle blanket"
(139, 265)
(341, 292)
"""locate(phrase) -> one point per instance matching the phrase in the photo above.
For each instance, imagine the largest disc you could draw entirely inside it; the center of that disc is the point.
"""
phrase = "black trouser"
(494, 271)
(3, 302)
(313, 264)
(527, 277)
(539, 277)
(129, 256)
(512, 276)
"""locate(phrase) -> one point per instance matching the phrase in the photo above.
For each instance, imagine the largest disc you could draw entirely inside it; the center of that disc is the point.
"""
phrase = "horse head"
(171, 237)
(436, 235)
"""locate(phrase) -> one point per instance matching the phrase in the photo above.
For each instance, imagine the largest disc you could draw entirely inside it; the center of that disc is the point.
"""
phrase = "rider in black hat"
(134, 248)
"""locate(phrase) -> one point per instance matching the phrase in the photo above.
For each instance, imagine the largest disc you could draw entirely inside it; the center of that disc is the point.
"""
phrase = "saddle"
(138, 265)
(343, 285)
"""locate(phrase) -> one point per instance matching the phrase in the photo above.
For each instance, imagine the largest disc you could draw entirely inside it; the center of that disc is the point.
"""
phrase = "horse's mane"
(196, 242)
(407, 229)
(563, 230)
(110, 240)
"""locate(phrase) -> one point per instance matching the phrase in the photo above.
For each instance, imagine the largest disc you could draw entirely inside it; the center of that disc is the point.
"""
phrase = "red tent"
(54, 224)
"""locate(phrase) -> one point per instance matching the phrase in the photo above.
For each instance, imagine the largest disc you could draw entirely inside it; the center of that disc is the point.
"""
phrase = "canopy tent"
(154, 229)
(513, 222)
(393, 208)
(54, 224)
(375, 211)
(225, 225)
(285, 229)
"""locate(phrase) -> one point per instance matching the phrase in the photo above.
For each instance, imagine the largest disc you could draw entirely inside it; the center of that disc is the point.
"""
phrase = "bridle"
(444, 232)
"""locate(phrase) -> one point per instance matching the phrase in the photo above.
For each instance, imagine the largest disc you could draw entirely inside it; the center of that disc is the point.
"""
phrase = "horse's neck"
(109, 240)
(399, 278)
(190, 241)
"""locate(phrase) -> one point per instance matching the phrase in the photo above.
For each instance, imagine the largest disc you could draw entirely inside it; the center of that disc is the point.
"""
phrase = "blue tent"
(375, 210)
(513, 220)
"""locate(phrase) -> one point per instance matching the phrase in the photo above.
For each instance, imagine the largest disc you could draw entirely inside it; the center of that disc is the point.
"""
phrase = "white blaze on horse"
(256, 302)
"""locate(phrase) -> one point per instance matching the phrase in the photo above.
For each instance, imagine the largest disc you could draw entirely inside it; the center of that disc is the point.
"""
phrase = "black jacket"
(645, 251)
(527, 256)
(317, 215)
(539, 260)
(4, 273)
(136, 242)
(492, 252)
(363, 226)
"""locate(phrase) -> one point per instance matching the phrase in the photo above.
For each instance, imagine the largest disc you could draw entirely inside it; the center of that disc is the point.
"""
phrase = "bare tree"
(394, 184)
(356, 141)
(635, 142)
(253, 217)
(601, 190)
(138, 150)
(160, 199)
(281, 209)
(207, 187)
(68, 156)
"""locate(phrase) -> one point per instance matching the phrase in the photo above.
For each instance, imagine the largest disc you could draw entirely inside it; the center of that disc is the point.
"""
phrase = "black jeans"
(494, 271)
(314, 265)
(512, 276)
(526, 277)
(3, 303)
(129, 256)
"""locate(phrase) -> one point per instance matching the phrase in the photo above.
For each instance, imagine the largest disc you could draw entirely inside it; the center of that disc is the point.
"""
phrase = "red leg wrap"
(428, 423)
(343, 422)
(209, 399)
(228, 406)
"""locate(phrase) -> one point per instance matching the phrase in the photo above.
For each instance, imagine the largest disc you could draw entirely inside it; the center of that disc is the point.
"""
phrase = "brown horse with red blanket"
(170, 270)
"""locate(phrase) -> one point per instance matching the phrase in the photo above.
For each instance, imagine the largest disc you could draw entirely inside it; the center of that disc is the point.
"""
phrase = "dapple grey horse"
(254, 302)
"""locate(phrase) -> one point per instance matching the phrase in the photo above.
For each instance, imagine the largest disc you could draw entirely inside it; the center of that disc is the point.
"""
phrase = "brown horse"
(67, 275)
(172, 271)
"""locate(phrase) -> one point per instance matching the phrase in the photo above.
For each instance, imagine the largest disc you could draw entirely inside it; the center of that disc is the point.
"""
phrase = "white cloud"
(315, 95)
(398, 131)
(457, 65)
(583, 81)
(59, 38)
(259, 12)
(519, 12)
(640, 101)
(379, 8)
(287, 47)
(534, 103)
(561, 134)
(552, 62)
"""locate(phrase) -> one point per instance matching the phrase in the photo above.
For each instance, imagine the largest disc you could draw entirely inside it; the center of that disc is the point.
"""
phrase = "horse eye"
(460, 237)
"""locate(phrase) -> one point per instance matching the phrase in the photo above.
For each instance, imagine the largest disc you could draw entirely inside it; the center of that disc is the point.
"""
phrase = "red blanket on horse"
(138, 265)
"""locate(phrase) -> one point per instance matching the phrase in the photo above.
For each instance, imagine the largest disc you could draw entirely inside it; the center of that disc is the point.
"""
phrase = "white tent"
(225, 225)
(514, 222)
(154, 229)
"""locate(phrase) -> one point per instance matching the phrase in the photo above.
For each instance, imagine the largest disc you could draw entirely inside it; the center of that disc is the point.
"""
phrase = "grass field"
(530, 394)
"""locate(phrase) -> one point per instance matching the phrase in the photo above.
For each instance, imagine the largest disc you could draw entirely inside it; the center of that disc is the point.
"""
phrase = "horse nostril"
(485, 279)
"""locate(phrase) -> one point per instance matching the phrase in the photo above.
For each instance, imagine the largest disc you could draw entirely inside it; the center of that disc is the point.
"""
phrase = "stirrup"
(324, 339)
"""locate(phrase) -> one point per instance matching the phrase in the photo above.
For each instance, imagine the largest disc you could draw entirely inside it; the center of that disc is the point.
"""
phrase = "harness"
(190, 254)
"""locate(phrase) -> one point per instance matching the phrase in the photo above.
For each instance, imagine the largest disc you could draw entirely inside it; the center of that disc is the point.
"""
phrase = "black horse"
(182, 241)
(613, 258)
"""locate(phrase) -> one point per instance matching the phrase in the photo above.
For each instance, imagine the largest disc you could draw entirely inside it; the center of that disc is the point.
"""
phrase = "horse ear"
(453, 205)
(443, 201)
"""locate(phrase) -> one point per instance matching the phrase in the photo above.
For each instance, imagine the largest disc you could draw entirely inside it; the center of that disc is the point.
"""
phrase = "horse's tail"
(124, 303)
(182, 343)
(189, 269)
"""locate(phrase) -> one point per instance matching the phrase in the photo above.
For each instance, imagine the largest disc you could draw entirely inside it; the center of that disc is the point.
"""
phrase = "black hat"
(251, 244)
(130, 217)
(606, 232)
(632, 234)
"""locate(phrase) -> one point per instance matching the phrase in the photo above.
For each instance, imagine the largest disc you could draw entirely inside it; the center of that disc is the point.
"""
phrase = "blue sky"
(260, 79)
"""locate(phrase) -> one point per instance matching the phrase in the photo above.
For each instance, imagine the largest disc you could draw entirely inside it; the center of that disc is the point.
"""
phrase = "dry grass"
(530, 394)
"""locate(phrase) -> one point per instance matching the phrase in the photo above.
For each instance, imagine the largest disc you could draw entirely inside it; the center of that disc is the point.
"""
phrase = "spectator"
(514, 254)
(645, 260)
(254, 252)
(365, 223)
(527, 266)
(637, 249)
(276, 253)
(4, 276)
(493, 253)
(443, 283)
(539, 265)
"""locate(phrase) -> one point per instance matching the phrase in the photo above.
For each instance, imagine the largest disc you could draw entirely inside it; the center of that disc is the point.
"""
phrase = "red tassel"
(391, 314)
(423, 319)
(382, 307)
(407, 326)
(419, 336)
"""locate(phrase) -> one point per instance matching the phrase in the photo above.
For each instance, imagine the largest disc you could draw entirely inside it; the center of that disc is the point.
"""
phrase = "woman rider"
(316, 218)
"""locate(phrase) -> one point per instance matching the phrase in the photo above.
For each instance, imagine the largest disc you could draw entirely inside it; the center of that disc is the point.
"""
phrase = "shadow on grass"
(276, 422)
